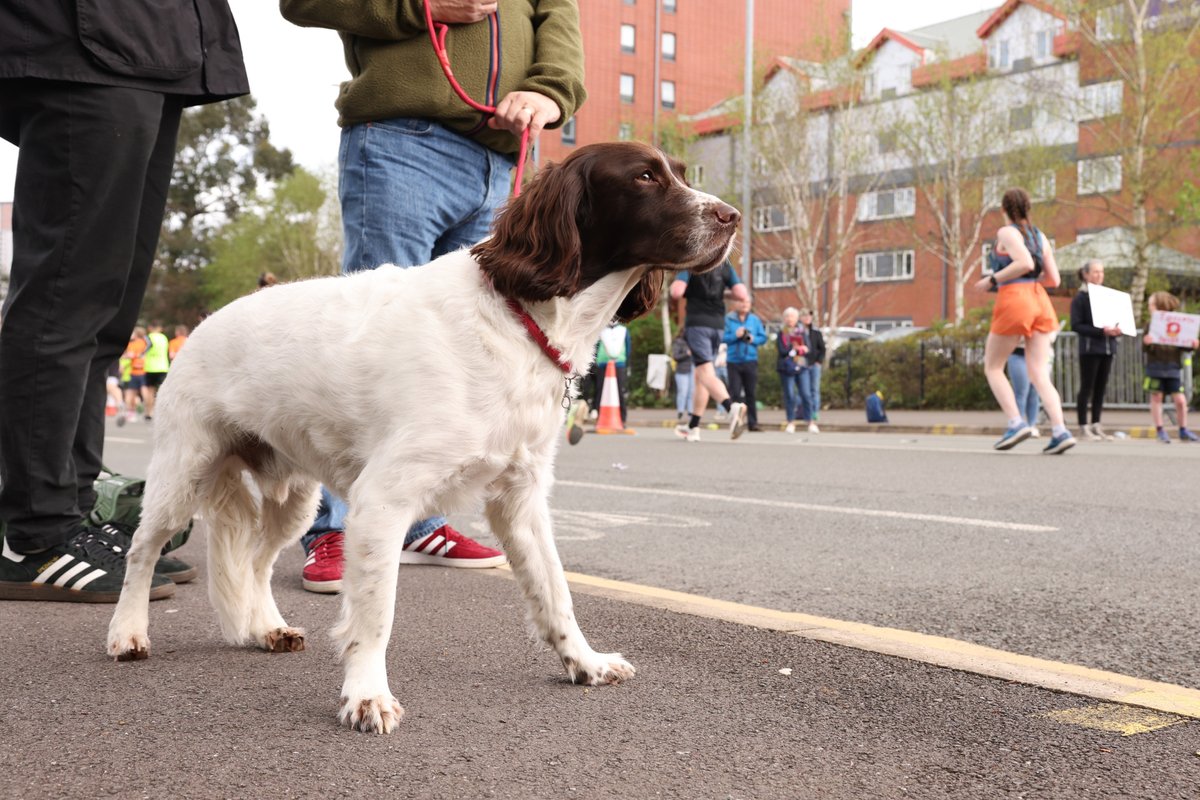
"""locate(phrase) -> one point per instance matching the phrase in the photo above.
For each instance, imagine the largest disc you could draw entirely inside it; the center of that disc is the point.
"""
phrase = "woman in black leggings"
(1097, 346)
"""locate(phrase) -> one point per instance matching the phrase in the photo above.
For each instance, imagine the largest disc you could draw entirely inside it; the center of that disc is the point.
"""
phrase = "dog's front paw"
(598, 669)
(372, 714)
(129, 647)
(284, 640)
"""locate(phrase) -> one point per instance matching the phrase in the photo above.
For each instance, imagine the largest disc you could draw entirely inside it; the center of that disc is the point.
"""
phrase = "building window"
(892, 265)
(1099, 175)
(669, 6)
(888, 204)
(881, 325)
(985, 258)
(1102, 100)
(695, 176)
(1045, 45)
(568, 131)
(668, 46)
(1042, 187)
(625, 132)
(998, 54)
(771, 218)
(626, 88)
(628, 38)
(668, 94)
(774, 274)
(1020, 118)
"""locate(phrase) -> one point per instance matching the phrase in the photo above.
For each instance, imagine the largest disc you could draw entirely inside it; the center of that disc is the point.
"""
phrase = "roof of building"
(1002, 13)
(954, 37)
(1115, 247)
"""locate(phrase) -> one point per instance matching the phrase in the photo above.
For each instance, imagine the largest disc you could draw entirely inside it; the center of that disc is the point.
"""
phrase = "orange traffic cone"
(110, 407)
(610, 404)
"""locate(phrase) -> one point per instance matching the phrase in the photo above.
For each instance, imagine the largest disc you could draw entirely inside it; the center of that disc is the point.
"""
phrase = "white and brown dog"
(377, 385)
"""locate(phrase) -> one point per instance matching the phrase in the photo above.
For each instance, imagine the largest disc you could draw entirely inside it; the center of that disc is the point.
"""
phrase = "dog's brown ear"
(643, 297)
(534, 251)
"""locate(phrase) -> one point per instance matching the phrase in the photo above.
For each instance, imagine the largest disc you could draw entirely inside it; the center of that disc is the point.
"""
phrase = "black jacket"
(816, 346)
(188, 48)
(1093, 341)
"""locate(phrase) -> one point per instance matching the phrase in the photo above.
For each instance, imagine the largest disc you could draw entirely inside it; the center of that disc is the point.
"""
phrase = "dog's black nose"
(727, 214)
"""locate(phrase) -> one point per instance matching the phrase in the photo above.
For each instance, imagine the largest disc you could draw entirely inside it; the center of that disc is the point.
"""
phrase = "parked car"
(836, 337)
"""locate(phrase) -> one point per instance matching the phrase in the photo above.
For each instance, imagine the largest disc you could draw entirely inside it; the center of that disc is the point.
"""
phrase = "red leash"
(437, 35)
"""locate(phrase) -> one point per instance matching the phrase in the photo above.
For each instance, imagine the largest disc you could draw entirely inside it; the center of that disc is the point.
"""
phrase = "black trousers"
(743, 379)
(93, 170)
(1093, 381)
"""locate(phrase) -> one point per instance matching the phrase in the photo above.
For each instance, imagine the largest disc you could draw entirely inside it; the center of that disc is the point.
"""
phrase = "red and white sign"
(1173, 328)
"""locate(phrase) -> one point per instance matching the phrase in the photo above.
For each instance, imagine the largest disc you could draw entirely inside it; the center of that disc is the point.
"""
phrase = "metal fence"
(1125, 388)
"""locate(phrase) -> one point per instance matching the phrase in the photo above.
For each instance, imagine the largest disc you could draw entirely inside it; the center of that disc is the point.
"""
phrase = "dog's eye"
(647, 177)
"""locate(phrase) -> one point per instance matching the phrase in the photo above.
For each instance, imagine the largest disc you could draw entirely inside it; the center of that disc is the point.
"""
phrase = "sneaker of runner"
(84, 570)
(1059, 444)
(1012, 437)
(575, 419)
(737, 420)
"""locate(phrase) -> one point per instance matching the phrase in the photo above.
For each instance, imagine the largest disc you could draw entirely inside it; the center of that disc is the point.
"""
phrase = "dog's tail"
(233, 520)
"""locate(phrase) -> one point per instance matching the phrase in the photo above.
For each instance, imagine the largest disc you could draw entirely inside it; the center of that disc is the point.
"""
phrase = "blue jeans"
(685, 382)
(791, 396)
(1027, 396)
(810, 391)
(410, 191)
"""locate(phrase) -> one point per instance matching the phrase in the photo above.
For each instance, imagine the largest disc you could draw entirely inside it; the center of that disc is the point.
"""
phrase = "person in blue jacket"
(744, 334)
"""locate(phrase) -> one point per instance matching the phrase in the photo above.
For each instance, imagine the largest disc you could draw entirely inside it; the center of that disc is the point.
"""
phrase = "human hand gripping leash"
(437, 36)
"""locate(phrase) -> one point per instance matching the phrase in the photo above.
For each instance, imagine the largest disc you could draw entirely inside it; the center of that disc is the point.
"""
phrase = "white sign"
(1173, 328)
(657, 365)
(1112, 309)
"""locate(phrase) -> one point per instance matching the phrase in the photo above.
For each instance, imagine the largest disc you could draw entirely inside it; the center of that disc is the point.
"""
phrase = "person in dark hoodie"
(1097, 347)
(91, 93)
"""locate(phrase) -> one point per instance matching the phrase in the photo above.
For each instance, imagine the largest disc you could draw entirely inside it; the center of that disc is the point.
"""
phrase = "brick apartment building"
(1020, 49)
(692, 49)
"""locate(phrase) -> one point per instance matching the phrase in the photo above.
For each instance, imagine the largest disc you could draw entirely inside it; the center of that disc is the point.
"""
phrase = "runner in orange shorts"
(1023, 266)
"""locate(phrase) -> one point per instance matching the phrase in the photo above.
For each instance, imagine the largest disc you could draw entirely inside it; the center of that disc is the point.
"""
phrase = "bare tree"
(1145, 57)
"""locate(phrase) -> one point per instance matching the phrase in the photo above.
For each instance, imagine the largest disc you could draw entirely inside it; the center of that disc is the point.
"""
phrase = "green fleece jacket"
(394, 72)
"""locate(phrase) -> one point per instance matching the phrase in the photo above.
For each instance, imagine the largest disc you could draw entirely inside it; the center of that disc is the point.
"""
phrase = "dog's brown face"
(606, 208)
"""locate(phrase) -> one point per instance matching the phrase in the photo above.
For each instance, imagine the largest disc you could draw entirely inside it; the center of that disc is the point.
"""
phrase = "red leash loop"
(437, 36)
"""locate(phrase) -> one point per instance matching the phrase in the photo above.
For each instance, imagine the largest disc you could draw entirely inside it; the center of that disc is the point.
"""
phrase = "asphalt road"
(1088, 558)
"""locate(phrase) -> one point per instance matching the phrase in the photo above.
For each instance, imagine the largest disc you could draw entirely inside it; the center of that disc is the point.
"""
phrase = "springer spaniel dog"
(378, 385)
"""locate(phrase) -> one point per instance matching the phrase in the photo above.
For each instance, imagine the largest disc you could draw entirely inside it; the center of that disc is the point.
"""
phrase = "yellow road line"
(1114, 718)
(937, 650)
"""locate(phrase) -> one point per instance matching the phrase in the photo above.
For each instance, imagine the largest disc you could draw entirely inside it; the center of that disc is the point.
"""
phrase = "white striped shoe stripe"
(46, 574)
(86, 579)
(71, 573)
(432, 544)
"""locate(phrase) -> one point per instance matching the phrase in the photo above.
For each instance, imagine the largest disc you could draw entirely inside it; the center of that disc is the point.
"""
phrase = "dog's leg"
(169, 504)
(520, 517)
(374, 538)
(286, 514)
(233, 523)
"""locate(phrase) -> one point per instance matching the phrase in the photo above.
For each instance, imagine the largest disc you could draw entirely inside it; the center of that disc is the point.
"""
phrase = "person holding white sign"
(1164, 372)
(1097, 347)
(1022, 261)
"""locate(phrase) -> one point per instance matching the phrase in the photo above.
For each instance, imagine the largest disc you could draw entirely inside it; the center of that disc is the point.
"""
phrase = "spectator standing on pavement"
(421, 173)
(681, 354)
(744, 334)
(793, 346)
(158, 362)
(1022, 261)
(810, 376)
(1164, 374)
(614, 345)
(92, 97)
(705, 323)
(1097, 347)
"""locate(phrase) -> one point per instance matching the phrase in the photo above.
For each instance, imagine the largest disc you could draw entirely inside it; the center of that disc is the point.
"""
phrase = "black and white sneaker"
(83, 570)
(118, 538)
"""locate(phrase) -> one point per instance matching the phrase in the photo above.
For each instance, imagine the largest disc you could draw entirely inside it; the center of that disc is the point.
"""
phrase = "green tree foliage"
(291, 232)
(224, 156)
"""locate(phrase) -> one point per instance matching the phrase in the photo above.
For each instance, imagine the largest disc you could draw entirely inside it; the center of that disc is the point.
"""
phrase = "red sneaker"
(323, 570)
(447, 547)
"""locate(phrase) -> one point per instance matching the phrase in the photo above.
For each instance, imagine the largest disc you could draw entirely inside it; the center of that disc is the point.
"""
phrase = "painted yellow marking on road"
(1124, 720)
(861, 512)
(936, 650)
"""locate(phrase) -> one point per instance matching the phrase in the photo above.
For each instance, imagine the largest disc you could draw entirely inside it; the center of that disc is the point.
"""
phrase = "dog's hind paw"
(371, 715)
(134, 647)
(284, 640)
(599, 669)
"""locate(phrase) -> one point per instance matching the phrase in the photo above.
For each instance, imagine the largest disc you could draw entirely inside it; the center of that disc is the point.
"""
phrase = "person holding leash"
(421, 172)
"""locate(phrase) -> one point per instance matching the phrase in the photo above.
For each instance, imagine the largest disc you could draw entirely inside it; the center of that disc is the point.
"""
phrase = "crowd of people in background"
(134, 378)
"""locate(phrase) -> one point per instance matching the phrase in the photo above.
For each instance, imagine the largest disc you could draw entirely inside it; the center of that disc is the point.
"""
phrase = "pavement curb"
(935, 650)
(1136, 432)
